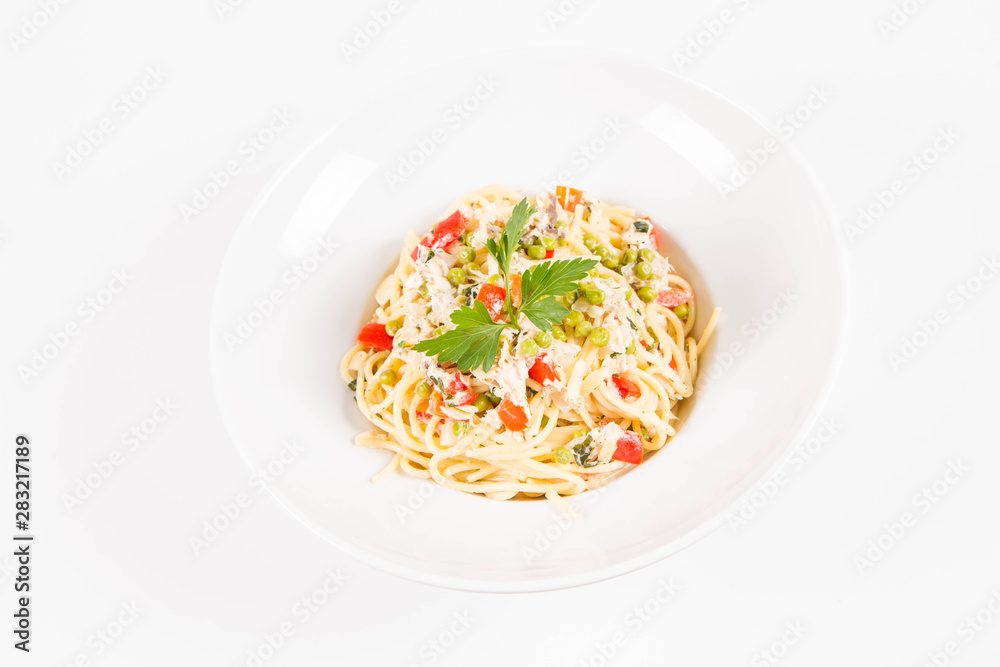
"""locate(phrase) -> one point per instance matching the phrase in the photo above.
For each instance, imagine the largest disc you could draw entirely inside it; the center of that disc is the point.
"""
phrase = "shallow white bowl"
(655, 142)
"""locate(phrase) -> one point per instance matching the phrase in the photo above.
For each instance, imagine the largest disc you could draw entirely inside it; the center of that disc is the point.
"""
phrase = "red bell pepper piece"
(626, 388)
(435, 403)
(549, 254)
(515, 290)
(629, 448)
(542, 373)
(375, 335)
(492, 297)
(568, 197)
(460, 392)
(673, 297)
(512, 416)
(672, 364)
(446, 232)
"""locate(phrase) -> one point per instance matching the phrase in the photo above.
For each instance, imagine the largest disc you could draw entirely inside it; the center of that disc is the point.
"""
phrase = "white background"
(795, 561)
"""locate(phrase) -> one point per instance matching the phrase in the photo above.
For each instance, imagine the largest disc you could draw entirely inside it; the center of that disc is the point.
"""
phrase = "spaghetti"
(561, 411)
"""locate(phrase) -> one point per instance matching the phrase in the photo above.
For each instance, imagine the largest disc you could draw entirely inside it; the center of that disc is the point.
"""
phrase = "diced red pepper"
(672, 364)
(435, 403)
(423, 417)
(492, 297)
(461, 393)
(673, 297)
(512, 416)
(629, 448)
(568, 197)
(445, 233)
(626, 388)
(515, 290)
(549, 254)
(375, 335)
(448, 230)
(542, 373)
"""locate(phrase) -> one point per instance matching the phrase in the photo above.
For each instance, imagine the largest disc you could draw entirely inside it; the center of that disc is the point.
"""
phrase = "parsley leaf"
(512, 232)
(543, 282)
(553, 278)
(582, 453)
(504, 251)
(472, 343)
(545, 312)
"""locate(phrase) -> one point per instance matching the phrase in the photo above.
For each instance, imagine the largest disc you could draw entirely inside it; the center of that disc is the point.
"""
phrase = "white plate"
(666, 144)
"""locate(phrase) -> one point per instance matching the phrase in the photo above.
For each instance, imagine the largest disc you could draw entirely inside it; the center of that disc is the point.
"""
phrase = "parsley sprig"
(475, 340)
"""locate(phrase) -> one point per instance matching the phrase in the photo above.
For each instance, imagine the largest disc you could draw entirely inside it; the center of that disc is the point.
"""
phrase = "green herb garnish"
(582, 453)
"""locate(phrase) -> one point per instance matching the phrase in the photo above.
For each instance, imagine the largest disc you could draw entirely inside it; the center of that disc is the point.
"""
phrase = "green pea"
(561, 223)
(548, 243)
(460, 428)
(570, 298)
(470, 267)
(466, 255)
(681, 311)
(610, 262)
(422, 290)
(493, 398)
(438, 331)
(481, 404)
(495, 279)
(647, 294)
(536, 252)
(388, 378)
(456, 277)
(644, 270)
(583, 329)
(529, 348)
(395, 325)
(595, 296)
(561, 242)
(580, 433)
(589, 241)
(631, 347)
(600, 337)
(558, 333)
(464, 238)
(573, 319)
(543, 339)
(602, 252)
(629, 256)
(647, 255)
(423, 390)
(562, 455)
